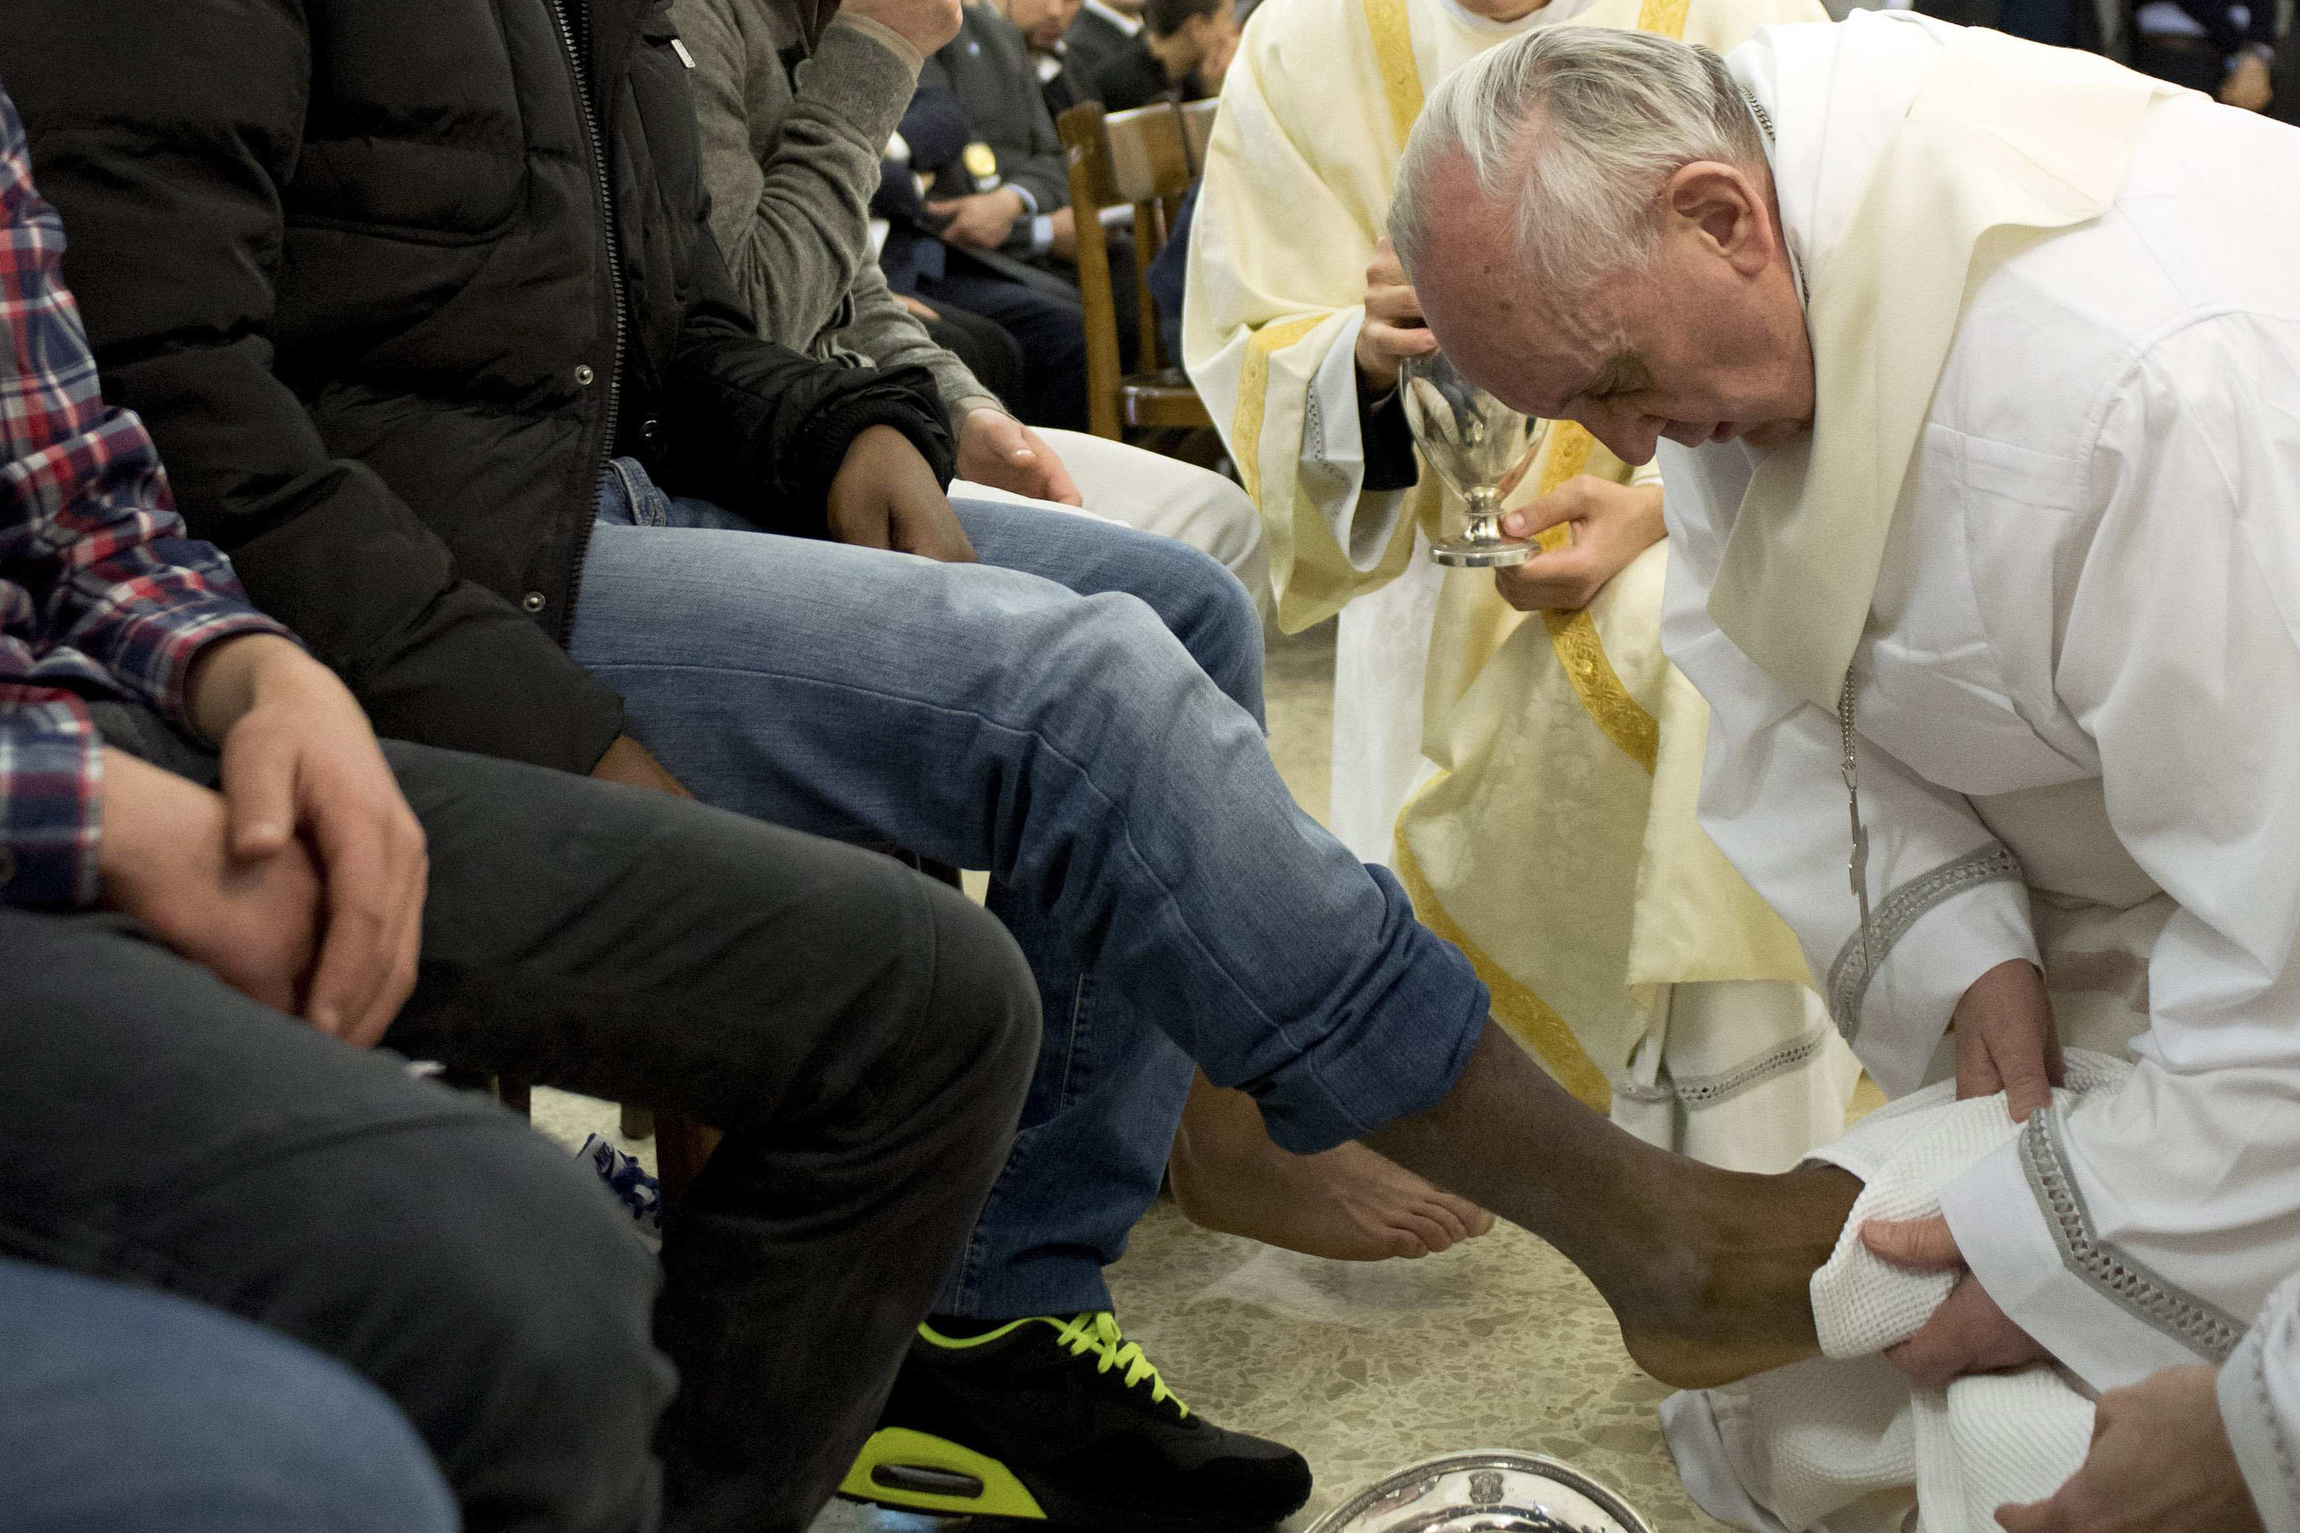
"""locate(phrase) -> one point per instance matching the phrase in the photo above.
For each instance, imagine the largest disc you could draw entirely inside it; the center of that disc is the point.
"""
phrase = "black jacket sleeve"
(166, 163)
(761, 430)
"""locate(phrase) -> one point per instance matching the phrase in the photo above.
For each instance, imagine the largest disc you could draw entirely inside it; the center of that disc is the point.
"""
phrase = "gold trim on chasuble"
(1572, 636)
(1254, 396)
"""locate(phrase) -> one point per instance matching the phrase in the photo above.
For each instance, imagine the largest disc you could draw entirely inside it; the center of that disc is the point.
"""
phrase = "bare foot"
(1730, 1294)
(1707, 1271)
(1349, 1204)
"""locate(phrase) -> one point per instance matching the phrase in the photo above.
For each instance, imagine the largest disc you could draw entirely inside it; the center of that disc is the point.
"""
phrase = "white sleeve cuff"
(1041, 232)
(1906, 1010)
(2259, 1390)
(1999, 1214)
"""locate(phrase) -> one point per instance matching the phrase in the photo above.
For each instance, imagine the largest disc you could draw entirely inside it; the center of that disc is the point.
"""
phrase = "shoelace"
(1098, 1333)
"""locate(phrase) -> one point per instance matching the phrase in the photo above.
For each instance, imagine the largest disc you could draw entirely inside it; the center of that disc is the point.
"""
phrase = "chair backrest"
(1139, 158)
(1198, 130)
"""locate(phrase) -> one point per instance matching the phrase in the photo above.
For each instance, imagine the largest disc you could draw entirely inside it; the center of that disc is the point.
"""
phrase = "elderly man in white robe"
(1974, 369)
(1553, 758)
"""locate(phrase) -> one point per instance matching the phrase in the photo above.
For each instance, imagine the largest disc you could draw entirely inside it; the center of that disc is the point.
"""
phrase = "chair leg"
(516, 1095)
(638, 1122)
(681, 1147)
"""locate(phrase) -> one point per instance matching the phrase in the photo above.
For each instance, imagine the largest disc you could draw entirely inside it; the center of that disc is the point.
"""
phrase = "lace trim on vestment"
(1709, 1090)
(2204, 1329)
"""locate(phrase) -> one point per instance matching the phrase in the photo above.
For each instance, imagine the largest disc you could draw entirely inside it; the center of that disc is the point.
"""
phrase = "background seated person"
(1102, 28)
(919, 260)
(1180, 54)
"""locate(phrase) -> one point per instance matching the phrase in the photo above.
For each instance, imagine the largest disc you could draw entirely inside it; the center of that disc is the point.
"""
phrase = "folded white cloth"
(1845, 1443)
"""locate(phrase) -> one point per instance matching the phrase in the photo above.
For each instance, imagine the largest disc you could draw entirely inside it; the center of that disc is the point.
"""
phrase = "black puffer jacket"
(350, 260)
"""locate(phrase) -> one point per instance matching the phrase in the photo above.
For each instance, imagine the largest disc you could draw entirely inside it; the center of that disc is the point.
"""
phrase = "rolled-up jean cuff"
(1397, 1057)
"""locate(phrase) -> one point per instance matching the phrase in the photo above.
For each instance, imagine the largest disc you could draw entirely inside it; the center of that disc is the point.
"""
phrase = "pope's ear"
(1723, 208)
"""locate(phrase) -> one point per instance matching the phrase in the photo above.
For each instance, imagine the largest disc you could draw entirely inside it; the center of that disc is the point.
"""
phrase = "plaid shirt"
(101, 594)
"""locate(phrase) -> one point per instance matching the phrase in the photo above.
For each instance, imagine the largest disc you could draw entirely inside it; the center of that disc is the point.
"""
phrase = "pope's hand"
(2159, 1463)
(2006, 1040)
(1393, 330)
(1968, 1333)
(1612, 524)
(996, 449)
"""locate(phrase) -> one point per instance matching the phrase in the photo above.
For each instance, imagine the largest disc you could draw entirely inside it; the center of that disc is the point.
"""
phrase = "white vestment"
(1552, 760)
(2260, 1407)
(2078, 696)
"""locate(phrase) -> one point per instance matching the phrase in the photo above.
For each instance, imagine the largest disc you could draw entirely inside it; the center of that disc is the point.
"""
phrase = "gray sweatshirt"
(791, 173)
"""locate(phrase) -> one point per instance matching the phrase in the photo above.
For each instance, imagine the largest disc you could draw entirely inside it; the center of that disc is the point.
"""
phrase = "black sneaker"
(1065, 1421)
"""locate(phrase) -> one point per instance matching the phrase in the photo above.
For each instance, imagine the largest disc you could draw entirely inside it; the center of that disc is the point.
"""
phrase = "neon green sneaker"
(1064, 1421)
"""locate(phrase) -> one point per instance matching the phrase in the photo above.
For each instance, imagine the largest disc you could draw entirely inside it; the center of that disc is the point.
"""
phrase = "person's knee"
(984, 996)
(329, 1451)
(513, 1321)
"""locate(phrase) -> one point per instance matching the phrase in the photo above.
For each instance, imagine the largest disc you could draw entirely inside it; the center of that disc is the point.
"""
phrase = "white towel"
(1845, 1443)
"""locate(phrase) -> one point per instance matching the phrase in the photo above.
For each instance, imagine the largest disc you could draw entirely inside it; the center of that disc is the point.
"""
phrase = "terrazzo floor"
(1363, 1367)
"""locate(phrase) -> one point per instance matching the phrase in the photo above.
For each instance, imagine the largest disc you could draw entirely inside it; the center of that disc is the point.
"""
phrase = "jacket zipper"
(615, 279)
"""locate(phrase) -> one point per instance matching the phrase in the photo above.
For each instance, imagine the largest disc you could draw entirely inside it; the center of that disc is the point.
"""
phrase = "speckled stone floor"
(1363, 1367)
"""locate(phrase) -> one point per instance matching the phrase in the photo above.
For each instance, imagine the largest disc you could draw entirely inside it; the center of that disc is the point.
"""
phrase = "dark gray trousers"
(863, 1036)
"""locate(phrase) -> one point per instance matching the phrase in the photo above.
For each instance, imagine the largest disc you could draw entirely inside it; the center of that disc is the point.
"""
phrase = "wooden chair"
(1198, 131)
(1140, 158)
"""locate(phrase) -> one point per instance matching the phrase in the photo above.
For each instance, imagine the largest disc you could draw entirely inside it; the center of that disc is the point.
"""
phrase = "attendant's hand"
(1968, 1333)
(2248, 85)
(166, 858)
(996, 449)
(885, 496)
(1612, 524)
(981, 221)
(925, 24)
(634, 766)
(2160, 1463)
(1393, 329)
(2006, 1040)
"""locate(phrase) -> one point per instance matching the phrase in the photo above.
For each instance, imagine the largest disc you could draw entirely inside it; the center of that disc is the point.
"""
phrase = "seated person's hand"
(2159, 1463)
(300, 883)
(918, 311)
(1968, 1333)
(2248, 85)
(925, 24)
(1393, 328)
(996, 449)
(1612, 524)
(981, 221)
(167, 860)
(885, 496)
(1063, 225)
(2006, 1040)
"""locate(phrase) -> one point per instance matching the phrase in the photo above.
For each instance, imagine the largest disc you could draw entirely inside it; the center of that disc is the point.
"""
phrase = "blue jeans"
(1080, 714)
(125, 1410)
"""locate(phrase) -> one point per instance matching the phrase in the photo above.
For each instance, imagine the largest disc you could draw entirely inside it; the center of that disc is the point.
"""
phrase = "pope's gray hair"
(1576, 128)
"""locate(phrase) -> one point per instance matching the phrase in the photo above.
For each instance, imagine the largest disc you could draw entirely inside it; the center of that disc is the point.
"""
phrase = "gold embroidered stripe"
(1527, 1016)
(1621, 717)
(1254, 396)
(1664, 17)
(1394, 57)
